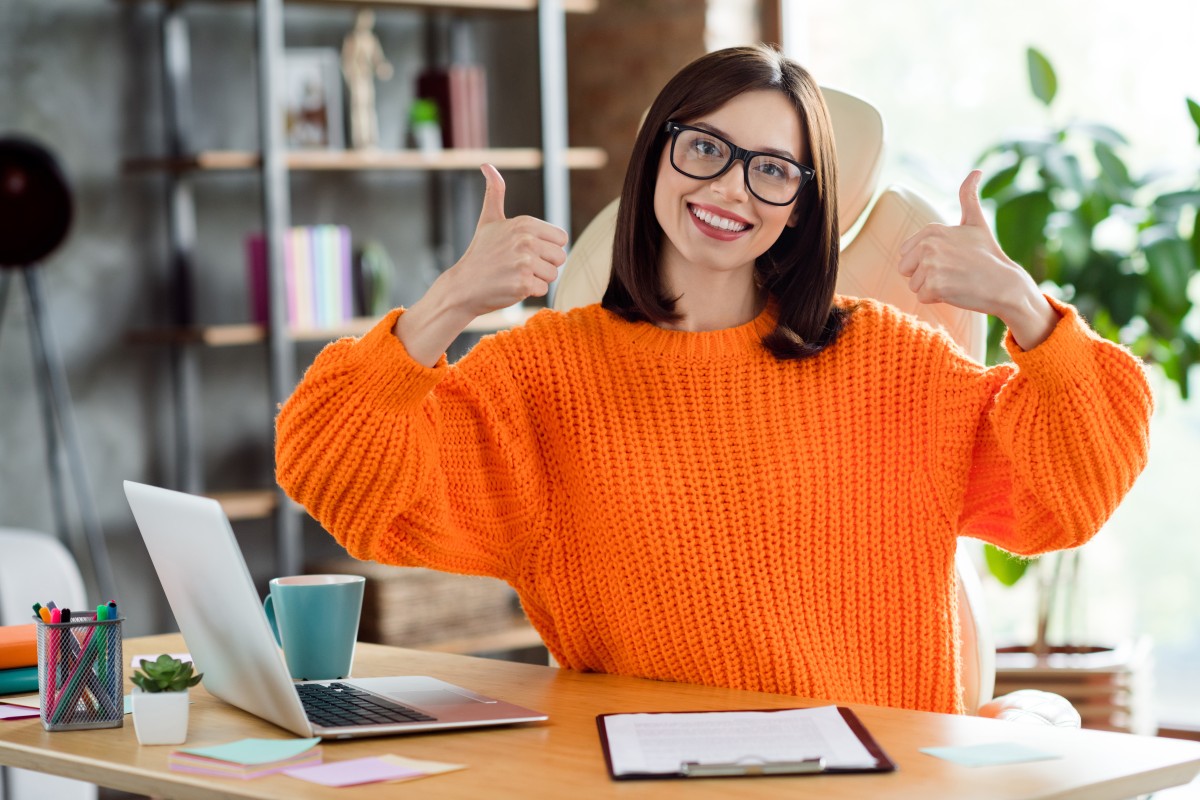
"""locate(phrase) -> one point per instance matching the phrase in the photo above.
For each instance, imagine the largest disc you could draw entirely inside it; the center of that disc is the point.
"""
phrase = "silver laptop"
(221, 618)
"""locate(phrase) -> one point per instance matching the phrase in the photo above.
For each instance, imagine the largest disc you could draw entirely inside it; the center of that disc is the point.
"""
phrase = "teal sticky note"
(983, 755)
(253, 751)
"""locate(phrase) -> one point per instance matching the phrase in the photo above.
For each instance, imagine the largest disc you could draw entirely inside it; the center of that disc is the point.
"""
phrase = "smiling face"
(717, 224)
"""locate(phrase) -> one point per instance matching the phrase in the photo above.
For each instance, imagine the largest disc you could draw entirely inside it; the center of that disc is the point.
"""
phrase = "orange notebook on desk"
(18, 646)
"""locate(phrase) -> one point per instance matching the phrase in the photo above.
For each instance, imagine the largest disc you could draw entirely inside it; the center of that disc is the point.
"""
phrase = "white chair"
(36, 567)
(867, 268)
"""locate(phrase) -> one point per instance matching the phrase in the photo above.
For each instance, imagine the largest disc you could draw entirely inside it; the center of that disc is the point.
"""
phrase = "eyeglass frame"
(738, 153)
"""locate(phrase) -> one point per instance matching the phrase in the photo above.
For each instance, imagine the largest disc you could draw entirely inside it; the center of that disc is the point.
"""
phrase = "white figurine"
(362, 62)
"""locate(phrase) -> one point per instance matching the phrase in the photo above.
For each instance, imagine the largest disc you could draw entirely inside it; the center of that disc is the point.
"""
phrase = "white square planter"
(160, 717)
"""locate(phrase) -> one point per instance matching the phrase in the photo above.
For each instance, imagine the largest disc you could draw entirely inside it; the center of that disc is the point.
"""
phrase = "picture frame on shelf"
(312, 95)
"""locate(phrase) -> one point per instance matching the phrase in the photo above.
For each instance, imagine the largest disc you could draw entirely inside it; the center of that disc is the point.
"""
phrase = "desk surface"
(562, 757)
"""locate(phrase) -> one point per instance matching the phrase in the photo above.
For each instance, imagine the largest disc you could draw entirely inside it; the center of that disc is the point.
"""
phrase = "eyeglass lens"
(702, 155)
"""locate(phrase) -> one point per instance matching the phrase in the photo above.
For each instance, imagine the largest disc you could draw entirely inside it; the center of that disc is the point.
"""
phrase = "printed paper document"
(661, 743)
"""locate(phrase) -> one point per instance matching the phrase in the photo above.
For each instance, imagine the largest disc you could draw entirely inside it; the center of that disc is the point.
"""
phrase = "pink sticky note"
(18, 712)
(351, 773)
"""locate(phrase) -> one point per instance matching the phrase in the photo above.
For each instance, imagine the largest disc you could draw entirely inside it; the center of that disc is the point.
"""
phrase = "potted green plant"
(1122, 247)
(160, 699)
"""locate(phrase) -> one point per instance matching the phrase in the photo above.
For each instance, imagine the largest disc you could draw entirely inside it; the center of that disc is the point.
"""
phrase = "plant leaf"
(1006, 567)
(1196, 241)
(1099, 132)
(1042, 80)
(1000, 181)
(1021, 229)
(1113, 171)
(1194, 110)
(1173, 200)
(1075, 239)
(1061, 169)
(1123, 294)
(1170, 266)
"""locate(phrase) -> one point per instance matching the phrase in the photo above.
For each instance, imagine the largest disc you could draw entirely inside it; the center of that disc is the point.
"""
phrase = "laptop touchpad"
(434, 697)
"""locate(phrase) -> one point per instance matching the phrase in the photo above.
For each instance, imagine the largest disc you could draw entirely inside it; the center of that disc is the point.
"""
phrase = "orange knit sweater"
(683, 506)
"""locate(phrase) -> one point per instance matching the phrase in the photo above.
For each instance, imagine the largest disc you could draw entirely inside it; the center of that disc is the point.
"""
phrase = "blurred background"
(89, 80)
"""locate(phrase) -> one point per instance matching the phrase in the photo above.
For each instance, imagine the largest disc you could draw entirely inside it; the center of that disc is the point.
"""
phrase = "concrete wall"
(82, 77)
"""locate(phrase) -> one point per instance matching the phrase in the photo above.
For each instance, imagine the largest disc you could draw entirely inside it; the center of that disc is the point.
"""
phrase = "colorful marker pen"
(54, 666)
(102, 658)
(71, 650)
(68, 695)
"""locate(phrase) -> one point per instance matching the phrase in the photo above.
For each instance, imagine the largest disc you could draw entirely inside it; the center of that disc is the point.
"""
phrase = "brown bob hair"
(800, 269)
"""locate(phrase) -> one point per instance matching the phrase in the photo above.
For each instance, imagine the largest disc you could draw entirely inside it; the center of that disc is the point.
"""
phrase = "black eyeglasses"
(703, 155)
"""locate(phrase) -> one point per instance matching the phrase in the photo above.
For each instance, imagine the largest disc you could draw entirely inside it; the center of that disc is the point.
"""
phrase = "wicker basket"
(412, 607)
(1110, 687)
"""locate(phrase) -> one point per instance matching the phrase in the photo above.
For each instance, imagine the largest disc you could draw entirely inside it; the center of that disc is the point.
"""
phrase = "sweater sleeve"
(404, 464)
(1035, 455)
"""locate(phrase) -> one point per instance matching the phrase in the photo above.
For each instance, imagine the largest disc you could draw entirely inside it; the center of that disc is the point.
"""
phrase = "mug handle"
(269, 607)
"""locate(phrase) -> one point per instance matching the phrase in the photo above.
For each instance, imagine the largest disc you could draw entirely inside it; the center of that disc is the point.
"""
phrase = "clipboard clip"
(751, 766)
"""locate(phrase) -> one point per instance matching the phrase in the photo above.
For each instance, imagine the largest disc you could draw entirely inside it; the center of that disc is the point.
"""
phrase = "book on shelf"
(317, 272)
(460, 93)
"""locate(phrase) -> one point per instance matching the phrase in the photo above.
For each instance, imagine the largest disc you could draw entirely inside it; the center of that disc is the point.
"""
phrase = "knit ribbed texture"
(683, 506)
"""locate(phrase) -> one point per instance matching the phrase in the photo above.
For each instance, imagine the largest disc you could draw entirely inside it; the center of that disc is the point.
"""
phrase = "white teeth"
(717, 222)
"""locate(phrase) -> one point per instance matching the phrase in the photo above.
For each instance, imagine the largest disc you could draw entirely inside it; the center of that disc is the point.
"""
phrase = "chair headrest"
(858, 138)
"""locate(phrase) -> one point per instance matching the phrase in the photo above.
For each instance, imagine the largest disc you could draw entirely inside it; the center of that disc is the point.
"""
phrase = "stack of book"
(460, 92)
(18, 659)
(317, 269)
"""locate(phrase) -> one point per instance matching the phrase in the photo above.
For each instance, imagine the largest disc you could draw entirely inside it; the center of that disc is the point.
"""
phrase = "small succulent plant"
(165, 674)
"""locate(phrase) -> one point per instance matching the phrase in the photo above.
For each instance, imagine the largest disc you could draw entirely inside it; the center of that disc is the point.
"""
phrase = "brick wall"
(618, 59)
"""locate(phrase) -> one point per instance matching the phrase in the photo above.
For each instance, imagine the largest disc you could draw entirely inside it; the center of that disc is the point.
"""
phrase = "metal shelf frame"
(273, 167)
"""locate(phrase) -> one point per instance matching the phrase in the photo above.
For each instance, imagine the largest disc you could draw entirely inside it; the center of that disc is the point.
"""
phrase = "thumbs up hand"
(508, 259)
(964, 266)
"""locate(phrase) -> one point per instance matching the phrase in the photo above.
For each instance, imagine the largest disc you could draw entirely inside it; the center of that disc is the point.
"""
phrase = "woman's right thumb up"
(493, 196)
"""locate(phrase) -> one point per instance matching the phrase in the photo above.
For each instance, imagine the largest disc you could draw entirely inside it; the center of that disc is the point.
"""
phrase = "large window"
(950, 79)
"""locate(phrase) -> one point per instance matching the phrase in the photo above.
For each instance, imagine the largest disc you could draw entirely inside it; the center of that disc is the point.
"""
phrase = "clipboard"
(752, 767)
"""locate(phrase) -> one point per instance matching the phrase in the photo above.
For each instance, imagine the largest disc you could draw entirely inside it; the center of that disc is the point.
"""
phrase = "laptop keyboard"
(336, 705)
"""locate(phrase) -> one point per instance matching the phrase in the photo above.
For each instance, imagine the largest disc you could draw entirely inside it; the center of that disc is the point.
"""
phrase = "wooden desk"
(562, 757)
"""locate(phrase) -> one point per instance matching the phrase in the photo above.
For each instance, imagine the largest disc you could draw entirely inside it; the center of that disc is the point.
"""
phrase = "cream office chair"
(867, 269)
(36, 567)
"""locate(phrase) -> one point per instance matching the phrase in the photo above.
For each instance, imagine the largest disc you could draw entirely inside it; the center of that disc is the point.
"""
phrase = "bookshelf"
(572, 6)
(458, 159)
(251, 333)
(181, 164)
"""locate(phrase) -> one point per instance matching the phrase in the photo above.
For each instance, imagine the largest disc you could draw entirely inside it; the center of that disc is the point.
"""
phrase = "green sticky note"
(983, 755)
(254, 751)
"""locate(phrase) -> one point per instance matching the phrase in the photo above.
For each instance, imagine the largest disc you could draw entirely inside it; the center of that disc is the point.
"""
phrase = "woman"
(723, 474)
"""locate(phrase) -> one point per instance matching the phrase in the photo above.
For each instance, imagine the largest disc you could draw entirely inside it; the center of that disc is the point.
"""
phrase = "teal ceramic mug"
(315, 620)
